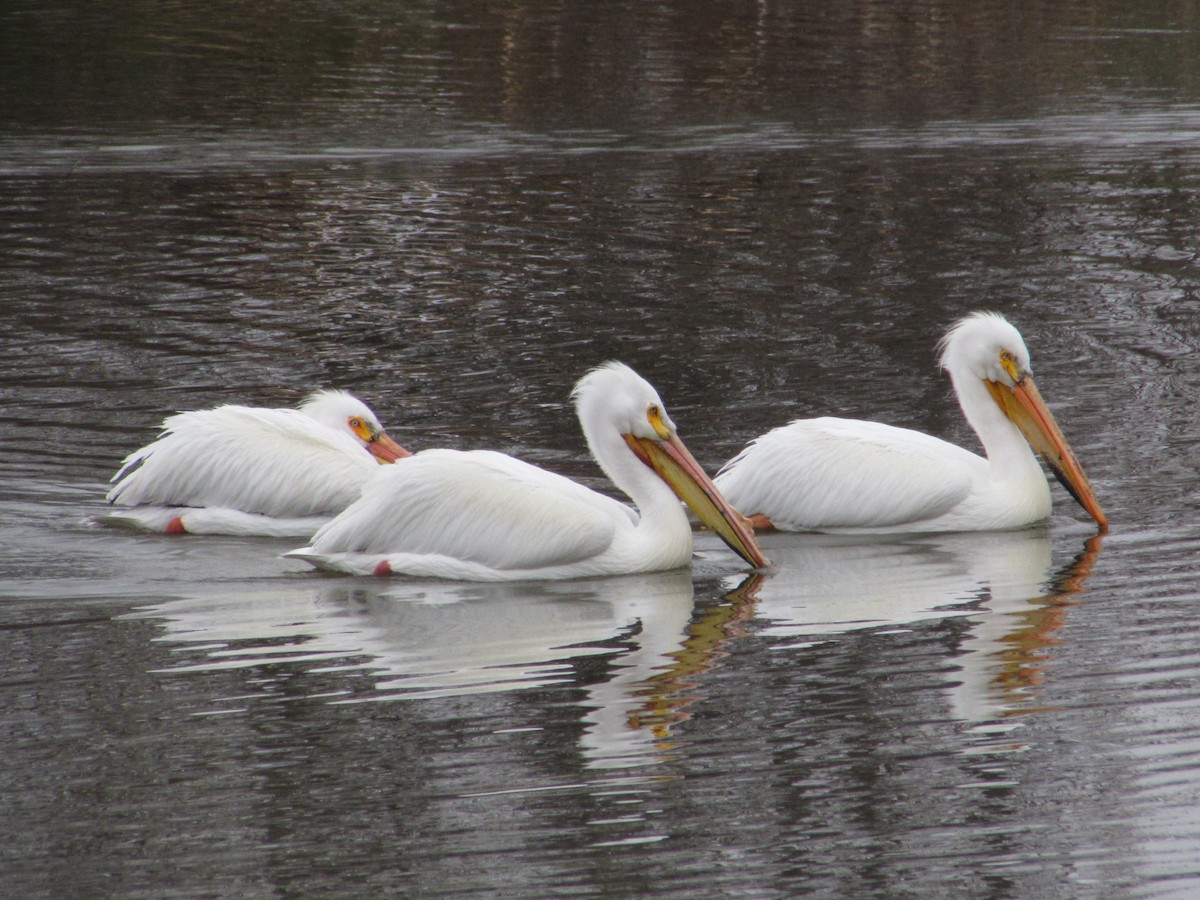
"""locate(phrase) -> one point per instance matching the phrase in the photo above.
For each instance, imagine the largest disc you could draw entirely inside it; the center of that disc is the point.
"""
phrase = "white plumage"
(830, 474)
(250, 470)
(485, 516)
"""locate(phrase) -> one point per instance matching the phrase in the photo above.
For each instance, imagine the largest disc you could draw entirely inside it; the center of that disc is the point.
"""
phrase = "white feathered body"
(485, 516)
(829, 474)
(241, 470)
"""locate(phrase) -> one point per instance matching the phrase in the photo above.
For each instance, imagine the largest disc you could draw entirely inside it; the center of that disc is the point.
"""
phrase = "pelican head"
(612, 400)
(985, 346)
(988, 346)
(344, 412)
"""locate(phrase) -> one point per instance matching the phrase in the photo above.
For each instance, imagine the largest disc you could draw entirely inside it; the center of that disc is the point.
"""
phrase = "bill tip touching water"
(829, 474)
(481, 515)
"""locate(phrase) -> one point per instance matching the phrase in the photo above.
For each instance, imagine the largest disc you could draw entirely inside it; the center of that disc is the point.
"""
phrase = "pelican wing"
(844, 473)
(276, 462)
(479, 506)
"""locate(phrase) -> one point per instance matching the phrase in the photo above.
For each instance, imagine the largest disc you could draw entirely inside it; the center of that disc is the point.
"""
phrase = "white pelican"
(830, 474)
(484, 516)
(250, 471)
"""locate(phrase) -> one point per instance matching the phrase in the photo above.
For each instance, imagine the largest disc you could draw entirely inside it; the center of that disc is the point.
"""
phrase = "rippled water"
(770, 211)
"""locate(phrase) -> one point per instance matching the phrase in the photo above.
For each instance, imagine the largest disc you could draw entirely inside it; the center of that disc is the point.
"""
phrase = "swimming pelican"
(830, 474)
(246, 470)
(484, 516)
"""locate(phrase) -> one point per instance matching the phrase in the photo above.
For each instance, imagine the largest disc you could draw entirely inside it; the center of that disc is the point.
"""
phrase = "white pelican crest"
(484, 516)
(830, 474)
(247, 470)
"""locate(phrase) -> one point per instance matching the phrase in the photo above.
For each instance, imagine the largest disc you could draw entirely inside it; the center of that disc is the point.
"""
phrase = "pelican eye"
(654, 415)
(1008, 362)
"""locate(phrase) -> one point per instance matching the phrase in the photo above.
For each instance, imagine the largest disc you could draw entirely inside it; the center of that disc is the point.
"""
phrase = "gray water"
(770, 210)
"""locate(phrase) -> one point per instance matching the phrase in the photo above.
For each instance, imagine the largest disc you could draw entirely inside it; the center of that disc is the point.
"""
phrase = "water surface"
(770, 211)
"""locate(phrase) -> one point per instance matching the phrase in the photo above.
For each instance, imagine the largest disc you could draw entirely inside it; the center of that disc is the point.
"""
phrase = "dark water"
(770, 210)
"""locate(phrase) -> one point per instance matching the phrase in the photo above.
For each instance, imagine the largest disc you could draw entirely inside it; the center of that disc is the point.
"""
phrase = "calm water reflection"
(455, 211)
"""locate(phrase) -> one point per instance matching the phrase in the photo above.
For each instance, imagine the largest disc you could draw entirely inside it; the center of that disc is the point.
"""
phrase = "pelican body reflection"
(424, 640)
(652, 645)
(1001, 584)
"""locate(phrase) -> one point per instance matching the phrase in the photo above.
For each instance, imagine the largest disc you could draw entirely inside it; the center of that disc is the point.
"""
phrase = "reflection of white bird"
(484, 516)
(248, 470)
(834, 584)
(994, 583)
(831, 474)
(420, 639)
